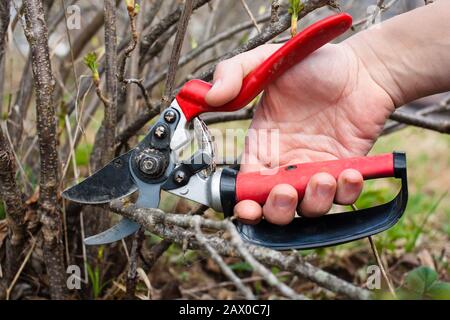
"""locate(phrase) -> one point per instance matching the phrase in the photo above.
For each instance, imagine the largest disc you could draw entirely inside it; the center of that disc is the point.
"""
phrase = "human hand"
(326, 107)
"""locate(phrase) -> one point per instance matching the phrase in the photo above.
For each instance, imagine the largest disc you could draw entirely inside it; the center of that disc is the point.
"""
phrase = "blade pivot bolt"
(160, 132)
(151, 163)
(170, 116)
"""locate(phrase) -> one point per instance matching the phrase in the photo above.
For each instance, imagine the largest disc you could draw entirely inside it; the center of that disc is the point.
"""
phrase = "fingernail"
(351, 184)
(282, 200)
(324, 190)
(216, 84)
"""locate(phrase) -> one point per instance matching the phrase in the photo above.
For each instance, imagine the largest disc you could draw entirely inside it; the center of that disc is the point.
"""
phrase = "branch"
(239, 245)
(176, 51)
(132, 270)
(5, 7)
(219, 117)
(274, 8)
(222, 265)
(15, 209)
(172, 227)
(156, 251)
(36, 32)
(227, 34)
(134, 71)
(110, 118)
(132, 13)
(439, 125)
(157, 30)
(370, 19)
(250, 15)
(267, 34)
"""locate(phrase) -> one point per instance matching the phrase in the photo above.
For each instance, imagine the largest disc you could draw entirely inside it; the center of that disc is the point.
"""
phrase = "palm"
(323, 110)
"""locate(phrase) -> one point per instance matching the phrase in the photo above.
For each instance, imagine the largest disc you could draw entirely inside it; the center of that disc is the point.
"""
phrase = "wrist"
(407, 59)
(367, 51)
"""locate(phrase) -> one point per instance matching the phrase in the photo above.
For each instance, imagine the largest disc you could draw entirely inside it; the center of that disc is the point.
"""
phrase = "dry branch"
(267, 34)
(110, 118)
(35, 29)
(177, 228)
(248, 294)
(157, 30)
(5, 7)
(176, 51)
(210, 43)
(12, 197)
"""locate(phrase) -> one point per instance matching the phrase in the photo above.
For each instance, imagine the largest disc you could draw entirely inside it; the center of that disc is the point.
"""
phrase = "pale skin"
(334, 104)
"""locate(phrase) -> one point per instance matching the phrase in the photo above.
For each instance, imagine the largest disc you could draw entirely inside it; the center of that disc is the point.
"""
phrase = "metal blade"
(121, 230)
(149, 195)
(114, 181)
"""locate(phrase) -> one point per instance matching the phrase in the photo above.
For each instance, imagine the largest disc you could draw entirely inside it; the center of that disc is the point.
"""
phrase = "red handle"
(257, 185)
(191, 97)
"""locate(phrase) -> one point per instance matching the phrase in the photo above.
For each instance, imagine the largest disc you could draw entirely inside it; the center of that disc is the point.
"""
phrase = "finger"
(349, 186)
(319, 195)
(229, 74)
(248, 211)
(281, 204)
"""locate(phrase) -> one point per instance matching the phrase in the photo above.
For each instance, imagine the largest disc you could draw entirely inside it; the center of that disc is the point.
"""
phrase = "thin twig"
(248, 294)
(176, 51)
(202, 48)
(16, 277)
(156, 251)
(144, 93)
(72, 56)
(372, 17)
(258, 267)
(378, 259)
(250, 15)
(157, 221)
(132, 270)
(230, 283)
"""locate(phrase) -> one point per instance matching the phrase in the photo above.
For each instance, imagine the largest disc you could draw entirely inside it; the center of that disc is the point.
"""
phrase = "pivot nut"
(152, 163)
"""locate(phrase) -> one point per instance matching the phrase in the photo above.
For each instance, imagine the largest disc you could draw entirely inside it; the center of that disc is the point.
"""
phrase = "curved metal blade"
(149, 195)
(113, 181)
(121, 230)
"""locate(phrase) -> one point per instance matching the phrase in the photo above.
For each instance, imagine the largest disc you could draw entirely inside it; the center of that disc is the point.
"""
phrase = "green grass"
(83, 153)
(2, 211)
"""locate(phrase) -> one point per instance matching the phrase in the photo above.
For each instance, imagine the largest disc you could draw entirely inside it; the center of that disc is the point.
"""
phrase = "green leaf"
(137, 8)
(422, 283)
(241, 266)
(90, 60)
(295, 7)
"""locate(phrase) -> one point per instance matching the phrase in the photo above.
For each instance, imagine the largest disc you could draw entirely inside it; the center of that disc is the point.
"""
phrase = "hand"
(326, 107)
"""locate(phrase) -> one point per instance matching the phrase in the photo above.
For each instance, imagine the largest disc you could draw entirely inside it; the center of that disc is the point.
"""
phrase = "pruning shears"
(152, 165)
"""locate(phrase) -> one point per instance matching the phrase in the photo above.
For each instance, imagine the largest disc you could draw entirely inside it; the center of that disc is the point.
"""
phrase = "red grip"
(257, 185)
(191, 97)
